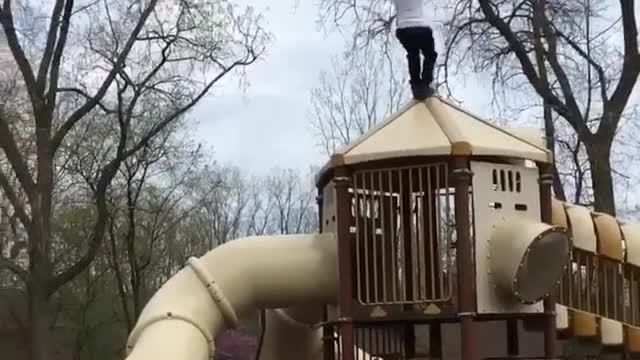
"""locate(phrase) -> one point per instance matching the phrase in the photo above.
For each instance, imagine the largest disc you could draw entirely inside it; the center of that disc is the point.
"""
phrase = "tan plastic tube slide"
(291, 334)
(212, 292)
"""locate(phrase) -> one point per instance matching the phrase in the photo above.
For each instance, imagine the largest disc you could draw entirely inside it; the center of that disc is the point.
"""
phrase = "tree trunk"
(39, 333)
(601, 177)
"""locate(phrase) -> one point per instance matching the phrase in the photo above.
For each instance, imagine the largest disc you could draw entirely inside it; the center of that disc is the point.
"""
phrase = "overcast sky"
(268, 125)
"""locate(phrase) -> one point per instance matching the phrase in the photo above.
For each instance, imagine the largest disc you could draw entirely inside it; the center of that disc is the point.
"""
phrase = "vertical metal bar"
(328, 338)
(394, 242)
(448, 241)
(345, 258)
(367, 216)
(433, 222)
(550, 331)
(435, 341)
(413, 235)
(596, 282)
(357, 215)
(605, 284)
(632, 296)
(423, 238)
(437, 235)
(383, 238)
(580, 281)
(589, 285)
(357, 334)
(404, 235)
(513, 346)
(614, 277)
(409, 341)
(466, 279)
(374, 241)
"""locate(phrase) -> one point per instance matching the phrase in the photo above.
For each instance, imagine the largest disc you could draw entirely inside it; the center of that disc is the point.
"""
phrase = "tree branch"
(88, 97)
(41, 80)
(6, 20)
(8, 144)
(117, 66)
(57, 55)
(13, 199)
(160, 126)
(14, 268)
(601, 75)
(521, 54)
(552, 56)
(630, 66)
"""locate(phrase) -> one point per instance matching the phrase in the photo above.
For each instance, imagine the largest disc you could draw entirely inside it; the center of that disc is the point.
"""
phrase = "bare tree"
(580, 73)
(362, 86)
(293, 200)
(220, 218)
(148, 200)
(260, 210)
(120, 60)
(580, 59)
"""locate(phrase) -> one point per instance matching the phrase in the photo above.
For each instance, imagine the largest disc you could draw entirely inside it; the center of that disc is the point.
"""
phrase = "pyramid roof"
(437, 127)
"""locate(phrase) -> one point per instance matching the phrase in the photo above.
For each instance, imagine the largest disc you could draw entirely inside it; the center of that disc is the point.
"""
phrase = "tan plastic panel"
(562, 317)
(582, 229)
(413, 133)
(584, 324)
(487, 217)
(558, 213)
(632, 241)
(611, 332)
(609, 236)
(287, 336)
(532, 135)
(633, 339)
(485, 138)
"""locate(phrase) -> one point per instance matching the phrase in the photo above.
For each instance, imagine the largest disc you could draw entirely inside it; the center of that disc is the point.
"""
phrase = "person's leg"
(408, 40)
(427, 47)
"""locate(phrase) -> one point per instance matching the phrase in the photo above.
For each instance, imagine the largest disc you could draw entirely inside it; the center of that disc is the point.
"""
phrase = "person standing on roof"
(416, 37)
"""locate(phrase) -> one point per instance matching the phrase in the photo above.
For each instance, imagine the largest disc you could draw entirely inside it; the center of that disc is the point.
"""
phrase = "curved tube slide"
(211, 293)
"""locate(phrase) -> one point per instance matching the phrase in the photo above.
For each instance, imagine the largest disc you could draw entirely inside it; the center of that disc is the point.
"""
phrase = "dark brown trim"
(550, 330)
(513, 340)
(435, 340)
(461, 176)
(328, 171)
(328, 337)
(342, 182)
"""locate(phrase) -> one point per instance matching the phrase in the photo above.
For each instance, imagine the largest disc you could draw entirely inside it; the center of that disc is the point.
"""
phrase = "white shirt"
(410, 13)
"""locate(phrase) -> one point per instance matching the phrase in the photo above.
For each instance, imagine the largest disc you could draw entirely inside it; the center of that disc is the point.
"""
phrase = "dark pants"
(416, 40)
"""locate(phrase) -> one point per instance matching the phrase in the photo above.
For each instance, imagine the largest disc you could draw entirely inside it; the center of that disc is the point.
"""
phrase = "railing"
(403, 232)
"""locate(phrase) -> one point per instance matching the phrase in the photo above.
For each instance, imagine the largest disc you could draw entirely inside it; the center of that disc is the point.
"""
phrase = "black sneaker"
(421, 91)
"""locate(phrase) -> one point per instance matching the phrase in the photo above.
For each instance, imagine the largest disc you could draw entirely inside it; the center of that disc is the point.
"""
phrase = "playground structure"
(432, 217)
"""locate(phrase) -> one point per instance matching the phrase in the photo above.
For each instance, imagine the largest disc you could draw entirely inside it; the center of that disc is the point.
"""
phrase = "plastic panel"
(558, 213)
(611, 332)
(562, 317)
(633, 339)
(609, 236)
(495, 200)
(582, 229)
(584, 324)
(632, 241)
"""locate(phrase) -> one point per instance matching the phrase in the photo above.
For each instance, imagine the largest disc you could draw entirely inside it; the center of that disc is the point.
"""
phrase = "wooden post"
(342, 183)
(464, 257)
(550, 331)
